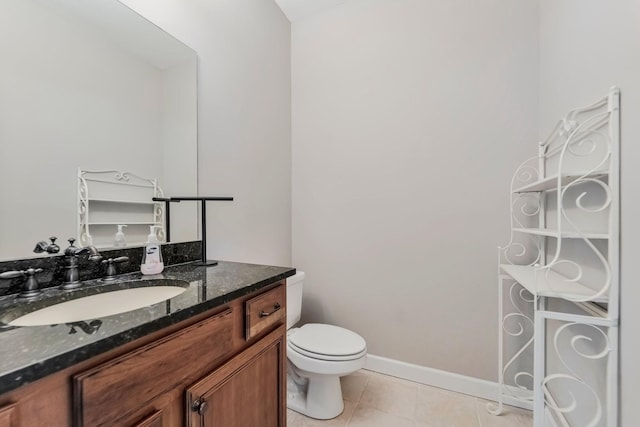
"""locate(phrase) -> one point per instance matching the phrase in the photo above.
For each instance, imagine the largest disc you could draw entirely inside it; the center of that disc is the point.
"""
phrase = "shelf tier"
(551, 284)
(111, 181)
(551, 183)
(125, 223)
(108, 245)
(563, 235)
(131, 202)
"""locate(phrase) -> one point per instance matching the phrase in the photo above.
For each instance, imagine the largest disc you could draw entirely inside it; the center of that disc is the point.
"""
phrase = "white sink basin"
(98, 305)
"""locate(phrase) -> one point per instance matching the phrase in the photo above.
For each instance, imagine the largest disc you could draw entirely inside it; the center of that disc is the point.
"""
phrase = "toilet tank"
(294, 298)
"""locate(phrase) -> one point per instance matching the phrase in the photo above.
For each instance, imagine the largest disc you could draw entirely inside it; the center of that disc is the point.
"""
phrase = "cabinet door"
(249, 390)
(8, 416)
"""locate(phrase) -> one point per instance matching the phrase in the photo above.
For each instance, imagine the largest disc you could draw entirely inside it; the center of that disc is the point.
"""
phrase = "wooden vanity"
(223, 367)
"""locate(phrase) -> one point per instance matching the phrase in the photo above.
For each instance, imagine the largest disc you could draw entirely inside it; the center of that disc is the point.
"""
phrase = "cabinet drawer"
(115, 390)
(264, 311)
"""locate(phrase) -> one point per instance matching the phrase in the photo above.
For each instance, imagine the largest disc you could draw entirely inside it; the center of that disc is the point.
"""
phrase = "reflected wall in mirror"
(89, 84)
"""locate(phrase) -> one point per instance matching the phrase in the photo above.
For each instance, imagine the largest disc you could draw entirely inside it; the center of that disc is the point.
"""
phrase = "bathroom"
(371, 144)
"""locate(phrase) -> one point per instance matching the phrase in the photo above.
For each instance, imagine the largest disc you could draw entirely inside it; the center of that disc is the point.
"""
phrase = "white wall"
(409, 118)
(586, 46)
(244, 120)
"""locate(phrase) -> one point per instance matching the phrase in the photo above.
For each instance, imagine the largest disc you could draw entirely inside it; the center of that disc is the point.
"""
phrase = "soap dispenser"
(152, 256)
(120, 241)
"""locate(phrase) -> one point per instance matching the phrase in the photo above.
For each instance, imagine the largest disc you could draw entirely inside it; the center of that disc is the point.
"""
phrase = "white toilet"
(318, 356)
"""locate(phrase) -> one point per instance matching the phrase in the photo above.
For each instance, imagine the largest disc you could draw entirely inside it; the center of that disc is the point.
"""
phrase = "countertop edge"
(13, 380)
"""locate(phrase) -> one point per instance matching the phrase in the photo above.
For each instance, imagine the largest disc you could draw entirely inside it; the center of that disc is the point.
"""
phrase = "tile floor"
(376, 400)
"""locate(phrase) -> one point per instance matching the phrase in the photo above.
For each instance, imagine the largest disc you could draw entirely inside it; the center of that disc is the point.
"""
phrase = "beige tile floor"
(376, 400)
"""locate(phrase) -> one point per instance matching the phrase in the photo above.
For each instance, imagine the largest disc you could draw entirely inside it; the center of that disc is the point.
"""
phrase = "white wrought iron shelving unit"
(559, 275)
(109, 198)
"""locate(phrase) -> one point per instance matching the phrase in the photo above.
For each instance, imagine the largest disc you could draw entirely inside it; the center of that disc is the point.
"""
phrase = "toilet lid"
(327, 340)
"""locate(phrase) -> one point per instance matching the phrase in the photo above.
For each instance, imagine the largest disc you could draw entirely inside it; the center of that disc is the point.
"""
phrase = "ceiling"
(297, 10)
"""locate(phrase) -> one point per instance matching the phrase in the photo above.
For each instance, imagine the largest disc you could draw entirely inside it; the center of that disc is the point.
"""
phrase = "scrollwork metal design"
(605, 344)
(526, 204)
(523, 205)
(577, 146)
(515, 250)
(158, 211)
(567, 127)
(601, 206)
(121, 176)
(583, 136)
(83, 212)
(526, 173)
(572, 405)
(515, 324)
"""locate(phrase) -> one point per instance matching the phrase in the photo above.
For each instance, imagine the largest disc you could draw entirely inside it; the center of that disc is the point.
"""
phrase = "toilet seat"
(327, 342)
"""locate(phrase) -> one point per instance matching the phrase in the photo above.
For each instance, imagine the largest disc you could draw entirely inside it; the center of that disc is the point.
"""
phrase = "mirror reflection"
(89, 85)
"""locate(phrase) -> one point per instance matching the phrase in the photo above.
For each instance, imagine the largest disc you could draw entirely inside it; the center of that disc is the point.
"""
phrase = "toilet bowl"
(318, 355)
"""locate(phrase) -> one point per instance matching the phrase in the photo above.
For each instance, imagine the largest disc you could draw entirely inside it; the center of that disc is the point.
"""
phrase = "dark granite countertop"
(30, 353)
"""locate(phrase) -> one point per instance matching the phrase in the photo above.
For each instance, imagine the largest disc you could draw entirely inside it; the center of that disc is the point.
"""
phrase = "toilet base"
(319, 398)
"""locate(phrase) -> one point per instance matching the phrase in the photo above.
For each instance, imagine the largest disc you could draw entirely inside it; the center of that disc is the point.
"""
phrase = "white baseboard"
(442, 379)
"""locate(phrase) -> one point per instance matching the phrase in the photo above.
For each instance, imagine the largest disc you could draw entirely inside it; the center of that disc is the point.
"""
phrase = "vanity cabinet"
(203, 371)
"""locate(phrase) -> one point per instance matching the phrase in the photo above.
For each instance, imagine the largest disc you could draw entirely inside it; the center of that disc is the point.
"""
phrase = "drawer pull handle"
(276, 307)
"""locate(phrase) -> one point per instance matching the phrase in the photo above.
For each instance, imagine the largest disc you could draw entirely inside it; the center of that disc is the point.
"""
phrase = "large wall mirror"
(89, 84)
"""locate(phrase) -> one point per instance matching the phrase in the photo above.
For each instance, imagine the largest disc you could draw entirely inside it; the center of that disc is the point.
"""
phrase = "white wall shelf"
(107, 199)
(563, 234)
(133, 202)
(124, 223)
(558, 278)
(553, 183)
(543, 282)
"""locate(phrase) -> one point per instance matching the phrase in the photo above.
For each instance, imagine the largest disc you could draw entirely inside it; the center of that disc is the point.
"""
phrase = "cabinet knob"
(200, 406)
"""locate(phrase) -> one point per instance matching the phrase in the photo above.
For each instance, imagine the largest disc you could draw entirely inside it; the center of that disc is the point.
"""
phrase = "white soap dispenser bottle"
(120, 241)
(152, 256)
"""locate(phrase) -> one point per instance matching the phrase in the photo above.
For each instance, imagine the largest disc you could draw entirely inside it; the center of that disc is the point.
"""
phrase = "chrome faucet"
(71, 274)
(30, 285)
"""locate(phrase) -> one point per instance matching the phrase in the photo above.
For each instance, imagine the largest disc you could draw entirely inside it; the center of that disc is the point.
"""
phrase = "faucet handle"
(111, 266)
(72, 249)
(31, 287)
(12, 274)
(53, 248)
